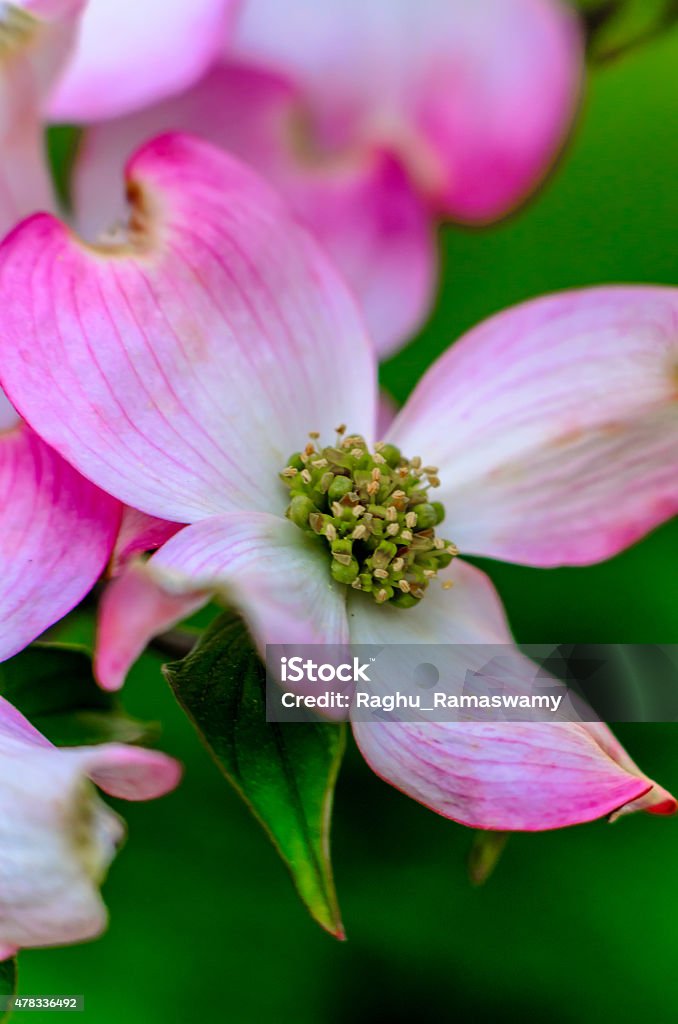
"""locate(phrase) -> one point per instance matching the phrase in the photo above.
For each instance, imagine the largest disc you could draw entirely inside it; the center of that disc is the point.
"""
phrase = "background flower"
(374, 121)
(130, 54)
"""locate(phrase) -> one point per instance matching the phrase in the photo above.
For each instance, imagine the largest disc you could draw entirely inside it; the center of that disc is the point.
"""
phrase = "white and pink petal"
(178, 367)
(555, 426)
(513, 776)
(57, 532)
(509, 776)
(467, 610)
(264, 567)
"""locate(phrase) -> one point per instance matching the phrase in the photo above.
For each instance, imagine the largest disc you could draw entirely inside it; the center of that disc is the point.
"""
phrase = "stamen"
(372, 511)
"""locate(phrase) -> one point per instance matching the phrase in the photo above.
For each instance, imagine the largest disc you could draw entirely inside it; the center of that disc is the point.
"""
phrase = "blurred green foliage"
(613, 27)
(53, 686)
(573, 926)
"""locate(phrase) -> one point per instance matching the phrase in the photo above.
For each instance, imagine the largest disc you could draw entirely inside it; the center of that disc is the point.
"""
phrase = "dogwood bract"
(199, 367)
(375, 120)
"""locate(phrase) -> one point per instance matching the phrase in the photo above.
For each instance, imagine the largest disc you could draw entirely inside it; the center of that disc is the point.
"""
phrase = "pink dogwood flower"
(179, 366)
(375, 120)
(57, 837)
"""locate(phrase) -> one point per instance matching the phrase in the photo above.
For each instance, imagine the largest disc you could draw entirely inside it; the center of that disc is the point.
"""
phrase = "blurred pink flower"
(36, 38)
(197, 353)
(130, 54)
(374, 120)
(57, 837)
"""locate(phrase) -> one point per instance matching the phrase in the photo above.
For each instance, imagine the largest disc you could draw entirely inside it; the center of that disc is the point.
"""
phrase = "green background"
(577, 925)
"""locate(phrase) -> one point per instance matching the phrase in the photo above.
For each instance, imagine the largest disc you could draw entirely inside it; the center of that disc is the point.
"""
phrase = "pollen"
(372, 513)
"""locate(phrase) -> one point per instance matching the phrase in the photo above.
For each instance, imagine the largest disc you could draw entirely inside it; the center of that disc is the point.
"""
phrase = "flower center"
(374, 513)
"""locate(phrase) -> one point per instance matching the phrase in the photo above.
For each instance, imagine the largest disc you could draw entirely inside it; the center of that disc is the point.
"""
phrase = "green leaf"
(285, 772)
(9, 975)
(52, 685)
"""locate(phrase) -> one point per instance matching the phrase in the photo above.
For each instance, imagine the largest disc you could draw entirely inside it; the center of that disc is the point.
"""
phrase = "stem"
(175, 643)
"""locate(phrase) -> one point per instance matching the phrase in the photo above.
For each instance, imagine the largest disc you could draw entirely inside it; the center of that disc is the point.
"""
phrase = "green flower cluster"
(373, 509)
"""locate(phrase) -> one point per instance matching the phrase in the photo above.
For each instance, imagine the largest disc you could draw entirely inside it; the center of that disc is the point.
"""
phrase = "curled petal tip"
(656, 800)
(135, 608)
(130, 773)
